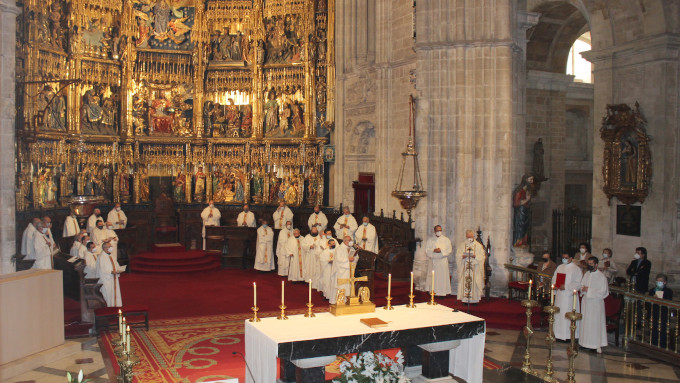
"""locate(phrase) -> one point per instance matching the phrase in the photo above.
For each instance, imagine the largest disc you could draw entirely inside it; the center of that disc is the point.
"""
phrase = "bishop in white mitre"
(328, 245)
(594, 288)
(294, 249)
(71, 226)
(42, 248)
(312, 248)
(27, 238)
(282, 255)
(264, 249)
(317, 219)
(246, 218)
(345, 255)
(109, 272)
(366, 237)
(438, 249)
(282, 215)
(564, 295)
(345, 224)
(117, 217)
(211, 217)
(470, 257)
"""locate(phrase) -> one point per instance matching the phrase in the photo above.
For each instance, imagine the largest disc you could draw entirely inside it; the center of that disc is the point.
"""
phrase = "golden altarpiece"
(216, 99)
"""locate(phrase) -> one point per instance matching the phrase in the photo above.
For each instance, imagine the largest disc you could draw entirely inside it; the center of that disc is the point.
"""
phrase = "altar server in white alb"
(27, 238)
(294, 249)
(93, 219)
(438, 249)
(345, 224)
(470, 257)
(312, 248)
(108, 271)
(42, 248)
(317, 219)
(246, 218)
(91, 261)
(264, 251)
(366, 237)
(282, 256)
(117, 217)
(113, 238)
(326, 262)
(76, 245)
(567, 280)
(345, 255)
(211, 217)
(594, 288)
(282, 215)
(82, 250)
(71, 226)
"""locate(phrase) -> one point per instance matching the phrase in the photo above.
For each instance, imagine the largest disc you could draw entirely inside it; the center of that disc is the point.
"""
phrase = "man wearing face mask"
(47, 223)
(71, 226)
(567, 280)
(366, 237)
(345, 225)
(317, 219)
(438, 249)
(546, 266)
(100, 235)
(108, 271)
(117, 217)
(91, 261)
(42, 248)
(582, 256)
(660, 291)
(82, 250)
(294, 249)
(345, 254)
(594, 288)
(326, 261)
(639, 269)
(246, 218)
(27, 238)
(282, 215)
(282, 255)
(608, 266)
(76, 245)
(93, 219)
(264, 251)
(211, 217)
(311, 246)
(470, 258)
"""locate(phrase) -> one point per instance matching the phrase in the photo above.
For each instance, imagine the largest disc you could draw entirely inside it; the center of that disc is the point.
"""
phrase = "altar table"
(300, 338)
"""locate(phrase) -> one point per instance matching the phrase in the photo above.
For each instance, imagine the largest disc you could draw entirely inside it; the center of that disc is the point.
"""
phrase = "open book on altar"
(559, 280)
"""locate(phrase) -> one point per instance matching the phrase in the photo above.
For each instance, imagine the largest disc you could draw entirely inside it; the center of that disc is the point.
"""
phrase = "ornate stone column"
(8, 14)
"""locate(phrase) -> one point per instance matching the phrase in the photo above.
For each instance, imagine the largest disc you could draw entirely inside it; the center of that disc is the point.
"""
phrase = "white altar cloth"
(262, 338)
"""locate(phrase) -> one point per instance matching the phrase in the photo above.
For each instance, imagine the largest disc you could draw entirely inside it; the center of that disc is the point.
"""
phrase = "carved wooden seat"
(395, 259)
(165, 220)
(366, 267)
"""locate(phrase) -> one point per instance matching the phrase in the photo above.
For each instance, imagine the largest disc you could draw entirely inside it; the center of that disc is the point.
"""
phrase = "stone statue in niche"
(629, 161)
(58, 31)
(144, 186)
(179, 186)
(271, 112)
(199, 185)
(52, 108)
(521, 198)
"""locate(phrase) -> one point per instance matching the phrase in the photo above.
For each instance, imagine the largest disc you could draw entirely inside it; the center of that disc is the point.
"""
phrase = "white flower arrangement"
(369, 367)
(76, 379)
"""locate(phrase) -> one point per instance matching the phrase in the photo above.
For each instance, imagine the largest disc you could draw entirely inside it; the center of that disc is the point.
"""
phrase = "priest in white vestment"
(27, 238)
(71, 226)
(42, 248)
(113, 239)
(312, 248)
(76, 245)
(294, 249)
(564, 295)
(211, 217)
(282, 215)
(100, 235)
(282, 255)
(109, 272)
(470, 258)
(594, 288)
(84, 241)
(246, 218)
(366, 237)
(345, 224)
(93, 219)
(91, 261)
(438, 249)
(317, 219)
(326, 265)
(264, 249)
(345, 254)
(117, 217)
(47, 222)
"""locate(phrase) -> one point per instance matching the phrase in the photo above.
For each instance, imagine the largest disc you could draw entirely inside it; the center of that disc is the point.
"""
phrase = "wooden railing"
(541, 281)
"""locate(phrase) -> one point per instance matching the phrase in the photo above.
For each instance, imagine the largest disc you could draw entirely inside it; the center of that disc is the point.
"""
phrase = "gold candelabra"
(389, 303)
(127, 363)
(572, 350)
(309, 313)
(529, 304)
(549, 340)
(410, 301)
(432, 302)
(282, 316)
(254, 318)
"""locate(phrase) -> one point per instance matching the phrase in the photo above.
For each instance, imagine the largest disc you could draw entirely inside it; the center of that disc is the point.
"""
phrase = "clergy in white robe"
(264, 249)
(47, 222)
(345, 224)
(470, 257)
(211, 217)
(76, 245)
(345, 254)
(117, 217)
(366, 237)
(71, 226)
(564, 295)
(27, 238)
(246, 218)
(100, 235)
(294, 249)
(82, 250)
(317, 219)
(326, 266)
(311, 266)
(93, 219)
(109, 272)
(282, 256)
(42, 249)
(438, 249)
(594, 288)
(282, 215)
(113, 239)
(91, 261)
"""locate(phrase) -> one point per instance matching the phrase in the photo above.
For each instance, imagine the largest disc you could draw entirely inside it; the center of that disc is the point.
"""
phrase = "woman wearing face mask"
(582, 256)
(638, 270)
(662, 292)
(608, 266)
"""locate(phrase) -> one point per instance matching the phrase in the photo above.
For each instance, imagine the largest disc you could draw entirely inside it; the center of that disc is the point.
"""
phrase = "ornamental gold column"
(330, 64)
(201, 40)
(309, 91)
(128, 60)
(258, 70)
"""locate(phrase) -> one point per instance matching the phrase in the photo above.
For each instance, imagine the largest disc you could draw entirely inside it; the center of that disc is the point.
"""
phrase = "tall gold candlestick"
(309, 313)
(254, 318)
(549, 340)
(572, 350)
(529, 304)
(432, 302)
(282, 316)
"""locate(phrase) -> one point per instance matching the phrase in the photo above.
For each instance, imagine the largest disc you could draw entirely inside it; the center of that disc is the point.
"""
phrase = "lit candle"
(432, 281)
(573, 307)
(552, 295)
(389, 285)
(411, 282)
(531, 283)
(310, 291)
(282, 293)
(122, 330)
(120, 323)
(127, 342)
(254, 294)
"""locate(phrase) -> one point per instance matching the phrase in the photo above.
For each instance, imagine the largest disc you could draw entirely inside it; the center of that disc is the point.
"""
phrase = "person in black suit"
(639, 271)
(662, 292)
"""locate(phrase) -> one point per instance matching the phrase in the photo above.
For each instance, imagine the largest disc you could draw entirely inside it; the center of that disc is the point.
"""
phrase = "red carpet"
(174, 261)
(72, 326)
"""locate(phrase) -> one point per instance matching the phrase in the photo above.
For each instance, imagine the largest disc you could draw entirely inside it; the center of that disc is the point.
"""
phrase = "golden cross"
(352, 279)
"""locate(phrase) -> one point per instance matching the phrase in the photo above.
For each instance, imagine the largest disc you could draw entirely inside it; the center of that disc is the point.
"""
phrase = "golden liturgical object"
(358, 304)
(409, 198)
